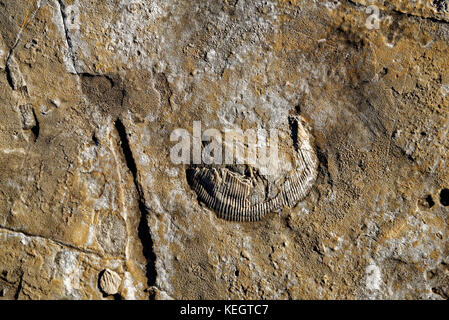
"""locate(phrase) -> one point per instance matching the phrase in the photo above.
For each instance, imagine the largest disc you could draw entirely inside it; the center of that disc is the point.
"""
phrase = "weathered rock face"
(90, 92)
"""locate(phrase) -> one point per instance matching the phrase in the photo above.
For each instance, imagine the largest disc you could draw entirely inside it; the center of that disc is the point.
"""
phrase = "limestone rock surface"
(90, 92)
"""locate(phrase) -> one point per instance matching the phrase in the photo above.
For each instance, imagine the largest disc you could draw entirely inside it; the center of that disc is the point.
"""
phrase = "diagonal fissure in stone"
(143, 228)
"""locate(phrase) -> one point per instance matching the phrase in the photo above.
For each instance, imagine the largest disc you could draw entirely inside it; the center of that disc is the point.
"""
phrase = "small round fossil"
(109, 281)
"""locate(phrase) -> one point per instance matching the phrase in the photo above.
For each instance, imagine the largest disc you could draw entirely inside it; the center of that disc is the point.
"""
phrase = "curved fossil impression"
(242, 193)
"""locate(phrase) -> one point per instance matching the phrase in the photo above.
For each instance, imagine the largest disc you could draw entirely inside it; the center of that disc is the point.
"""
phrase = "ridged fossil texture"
(242, 193)
(110, 282)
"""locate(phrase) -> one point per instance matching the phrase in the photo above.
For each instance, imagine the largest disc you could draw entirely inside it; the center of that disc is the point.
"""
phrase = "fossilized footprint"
(242, 193)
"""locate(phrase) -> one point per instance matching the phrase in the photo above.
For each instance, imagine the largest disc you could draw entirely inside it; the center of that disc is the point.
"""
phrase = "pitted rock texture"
(91, 90)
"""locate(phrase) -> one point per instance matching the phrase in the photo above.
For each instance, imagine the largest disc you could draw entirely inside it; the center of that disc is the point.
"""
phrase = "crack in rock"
(143, 229)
